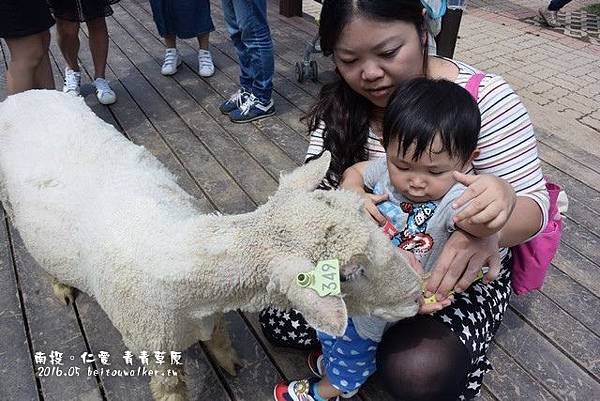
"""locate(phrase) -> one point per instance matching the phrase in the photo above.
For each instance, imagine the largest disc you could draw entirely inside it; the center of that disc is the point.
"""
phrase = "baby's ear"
(327, 314)
(474, 156)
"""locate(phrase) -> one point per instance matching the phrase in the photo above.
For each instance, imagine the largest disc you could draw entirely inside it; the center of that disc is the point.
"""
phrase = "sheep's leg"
(171, 386)
(63, 292)
(221, 349)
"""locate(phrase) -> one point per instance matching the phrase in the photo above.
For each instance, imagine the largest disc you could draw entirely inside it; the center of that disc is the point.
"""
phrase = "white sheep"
(103, 215)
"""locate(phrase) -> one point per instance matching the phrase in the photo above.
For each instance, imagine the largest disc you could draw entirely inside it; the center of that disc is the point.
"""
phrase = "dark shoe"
(252, 109)
(549, 17)
(235, 101)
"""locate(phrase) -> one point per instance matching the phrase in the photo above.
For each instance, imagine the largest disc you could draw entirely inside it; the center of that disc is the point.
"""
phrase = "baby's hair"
(421, 109)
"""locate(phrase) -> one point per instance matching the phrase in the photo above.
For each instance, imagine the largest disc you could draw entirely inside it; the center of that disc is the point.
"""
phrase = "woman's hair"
(344, 113)
(421, 109)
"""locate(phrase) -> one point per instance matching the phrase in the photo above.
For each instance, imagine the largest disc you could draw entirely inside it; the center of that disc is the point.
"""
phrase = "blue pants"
(348, 360)
(556, 5)
(246, 22)
(182, 18)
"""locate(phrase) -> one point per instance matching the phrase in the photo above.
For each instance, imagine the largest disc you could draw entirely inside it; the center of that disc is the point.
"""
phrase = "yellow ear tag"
(324, 279)
(432, 299)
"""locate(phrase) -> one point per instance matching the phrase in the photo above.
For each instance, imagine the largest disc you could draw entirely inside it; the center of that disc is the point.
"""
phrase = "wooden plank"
(220, 187)
(246, 171)
(554, 370)
(53, 327)
(270, 157)
(287, 112)
(568, 149)
(577, 267)
(588, 196)
(17, 374)
(293, 145)
(573, 298)
(290, 8)
(508, 381)
(573, 167)
(565, 332)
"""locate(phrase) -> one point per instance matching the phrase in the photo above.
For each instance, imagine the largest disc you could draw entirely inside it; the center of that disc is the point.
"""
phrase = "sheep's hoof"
(228, 361)
(63, 292)
(168, 390)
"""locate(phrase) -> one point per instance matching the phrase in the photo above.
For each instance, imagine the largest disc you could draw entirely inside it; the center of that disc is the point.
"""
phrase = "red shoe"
(315, 363)
(300, 390)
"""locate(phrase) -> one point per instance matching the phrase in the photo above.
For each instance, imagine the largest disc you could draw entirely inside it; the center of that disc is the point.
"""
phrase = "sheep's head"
(307, 225)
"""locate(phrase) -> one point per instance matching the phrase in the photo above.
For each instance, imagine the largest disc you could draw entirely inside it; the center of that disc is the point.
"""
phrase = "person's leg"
(43, 74)
(68, 41)
(98, 40)
(26, 56)
(170, 41)
(421, 359)
(203, 41)
(206, 68)
(287, 328)
(556, 5)
(257, 43)
(231, 11)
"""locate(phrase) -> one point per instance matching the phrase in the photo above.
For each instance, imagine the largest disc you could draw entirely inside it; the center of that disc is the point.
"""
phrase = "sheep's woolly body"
(103, 215)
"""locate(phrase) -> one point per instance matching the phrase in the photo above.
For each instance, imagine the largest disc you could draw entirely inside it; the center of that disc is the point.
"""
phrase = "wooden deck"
(548, 347)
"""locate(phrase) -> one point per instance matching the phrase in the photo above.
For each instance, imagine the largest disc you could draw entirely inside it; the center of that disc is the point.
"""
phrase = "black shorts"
(20, 18)
(81, 10)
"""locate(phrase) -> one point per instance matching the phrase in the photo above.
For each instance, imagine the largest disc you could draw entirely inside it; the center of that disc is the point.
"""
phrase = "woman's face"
(374, 56)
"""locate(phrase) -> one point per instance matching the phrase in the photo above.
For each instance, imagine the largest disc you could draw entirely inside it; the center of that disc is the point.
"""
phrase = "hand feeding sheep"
(103, 215)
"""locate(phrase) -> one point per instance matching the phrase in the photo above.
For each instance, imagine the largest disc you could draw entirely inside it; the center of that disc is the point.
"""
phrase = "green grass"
(593, 9)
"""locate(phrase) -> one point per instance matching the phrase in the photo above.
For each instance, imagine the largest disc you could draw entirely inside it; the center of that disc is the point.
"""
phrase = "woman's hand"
(424, 308)
(460, 262)
(490, 199)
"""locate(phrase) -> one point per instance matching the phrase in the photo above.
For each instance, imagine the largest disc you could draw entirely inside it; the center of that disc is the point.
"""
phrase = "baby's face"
(428, 178)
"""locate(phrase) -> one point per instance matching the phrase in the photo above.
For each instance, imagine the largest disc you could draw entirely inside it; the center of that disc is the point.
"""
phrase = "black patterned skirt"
(474, 317)
(20, 18)
(81, 10)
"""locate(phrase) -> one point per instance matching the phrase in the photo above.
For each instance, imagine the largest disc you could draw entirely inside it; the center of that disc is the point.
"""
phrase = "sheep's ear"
(307, 177)
(327, 314)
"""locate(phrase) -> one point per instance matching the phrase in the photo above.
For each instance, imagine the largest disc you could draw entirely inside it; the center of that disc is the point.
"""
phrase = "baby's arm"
(353, 179)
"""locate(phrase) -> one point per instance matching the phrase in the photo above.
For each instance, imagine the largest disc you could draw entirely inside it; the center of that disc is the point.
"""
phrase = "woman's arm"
(508, 155)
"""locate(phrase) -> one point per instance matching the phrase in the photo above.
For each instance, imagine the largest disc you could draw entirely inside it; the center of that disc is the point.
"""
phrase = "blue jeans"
(246, 22)
(556, 5)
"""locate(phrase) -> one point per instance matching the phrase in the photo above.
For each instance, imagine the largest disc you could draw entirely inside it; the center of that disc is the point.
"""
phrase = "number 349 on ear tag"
(324, 279)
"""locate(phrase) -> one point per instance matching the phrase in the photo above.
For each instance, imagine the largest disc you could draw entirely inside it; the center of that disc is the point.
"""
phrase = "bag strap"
(472, 85)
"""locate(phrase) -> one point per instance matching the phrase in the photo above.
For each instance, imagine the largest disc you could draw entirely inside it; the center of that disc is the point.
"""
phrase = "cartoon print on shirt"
(414, 237)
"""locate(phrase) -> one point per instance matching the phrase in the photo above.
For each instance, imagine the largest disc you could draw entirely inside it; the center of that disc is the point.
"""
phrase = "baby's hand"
(370, 204)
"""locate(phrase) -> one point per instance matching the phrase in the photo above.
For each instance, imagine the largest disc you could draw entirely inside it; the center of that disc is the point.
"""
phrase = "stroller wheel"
(299, 71)
(314, 70)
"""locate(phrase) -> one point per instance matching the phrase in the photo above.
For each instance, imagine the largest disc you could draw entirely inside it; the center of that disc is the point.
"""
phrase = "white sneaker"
(172, 61)
(104, 93)
(206, 68)
(72, 82)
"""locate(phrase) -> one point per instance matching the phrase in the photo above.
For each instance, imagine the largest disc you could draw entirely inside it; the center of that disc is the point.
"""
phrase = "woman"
(184, 19)
(441, 353)
(24, 26)
(69, 15)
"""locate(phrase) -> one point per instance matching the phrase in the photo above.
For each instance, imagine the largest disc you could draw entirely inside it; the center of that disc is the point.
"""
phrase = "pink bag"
(532, 258)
